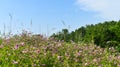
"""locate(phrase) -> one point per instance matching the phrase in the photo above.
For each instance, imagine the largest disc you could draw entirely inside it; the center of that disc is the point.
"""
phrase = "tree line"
(106, 34)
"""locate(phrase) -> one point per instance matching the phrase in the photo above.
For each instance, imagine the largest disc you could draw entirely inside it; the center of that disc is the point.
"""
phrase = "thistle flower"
(37, 51)
(16, 46)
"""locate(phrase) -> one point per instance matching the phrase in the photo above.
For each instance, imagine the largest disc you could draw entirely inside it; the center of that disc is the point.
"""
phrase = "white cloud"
(107, 9)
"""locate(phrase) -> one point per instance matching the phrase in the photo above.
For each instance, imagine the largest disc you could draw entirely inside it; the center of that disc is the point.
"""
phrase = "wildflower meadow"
(28, 50)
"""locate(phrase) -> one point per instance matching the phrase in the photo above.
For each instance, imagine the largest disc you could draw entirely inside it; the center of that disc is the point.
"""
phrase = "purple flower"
(37, 51)
(16, 46)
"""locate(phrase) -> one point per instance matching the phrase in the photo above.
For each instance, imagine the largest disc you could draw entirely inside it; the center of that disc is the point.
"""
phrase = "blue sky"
(47, 15)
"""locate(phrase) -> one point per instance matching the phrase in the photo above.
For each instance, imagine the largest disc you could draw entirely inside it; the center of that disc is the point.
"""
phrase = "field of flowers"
(27, 50)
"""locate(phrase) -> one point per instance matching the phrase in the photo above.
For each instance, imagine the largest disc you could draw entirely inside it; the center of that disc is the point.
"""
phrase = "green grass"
(28, 50)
